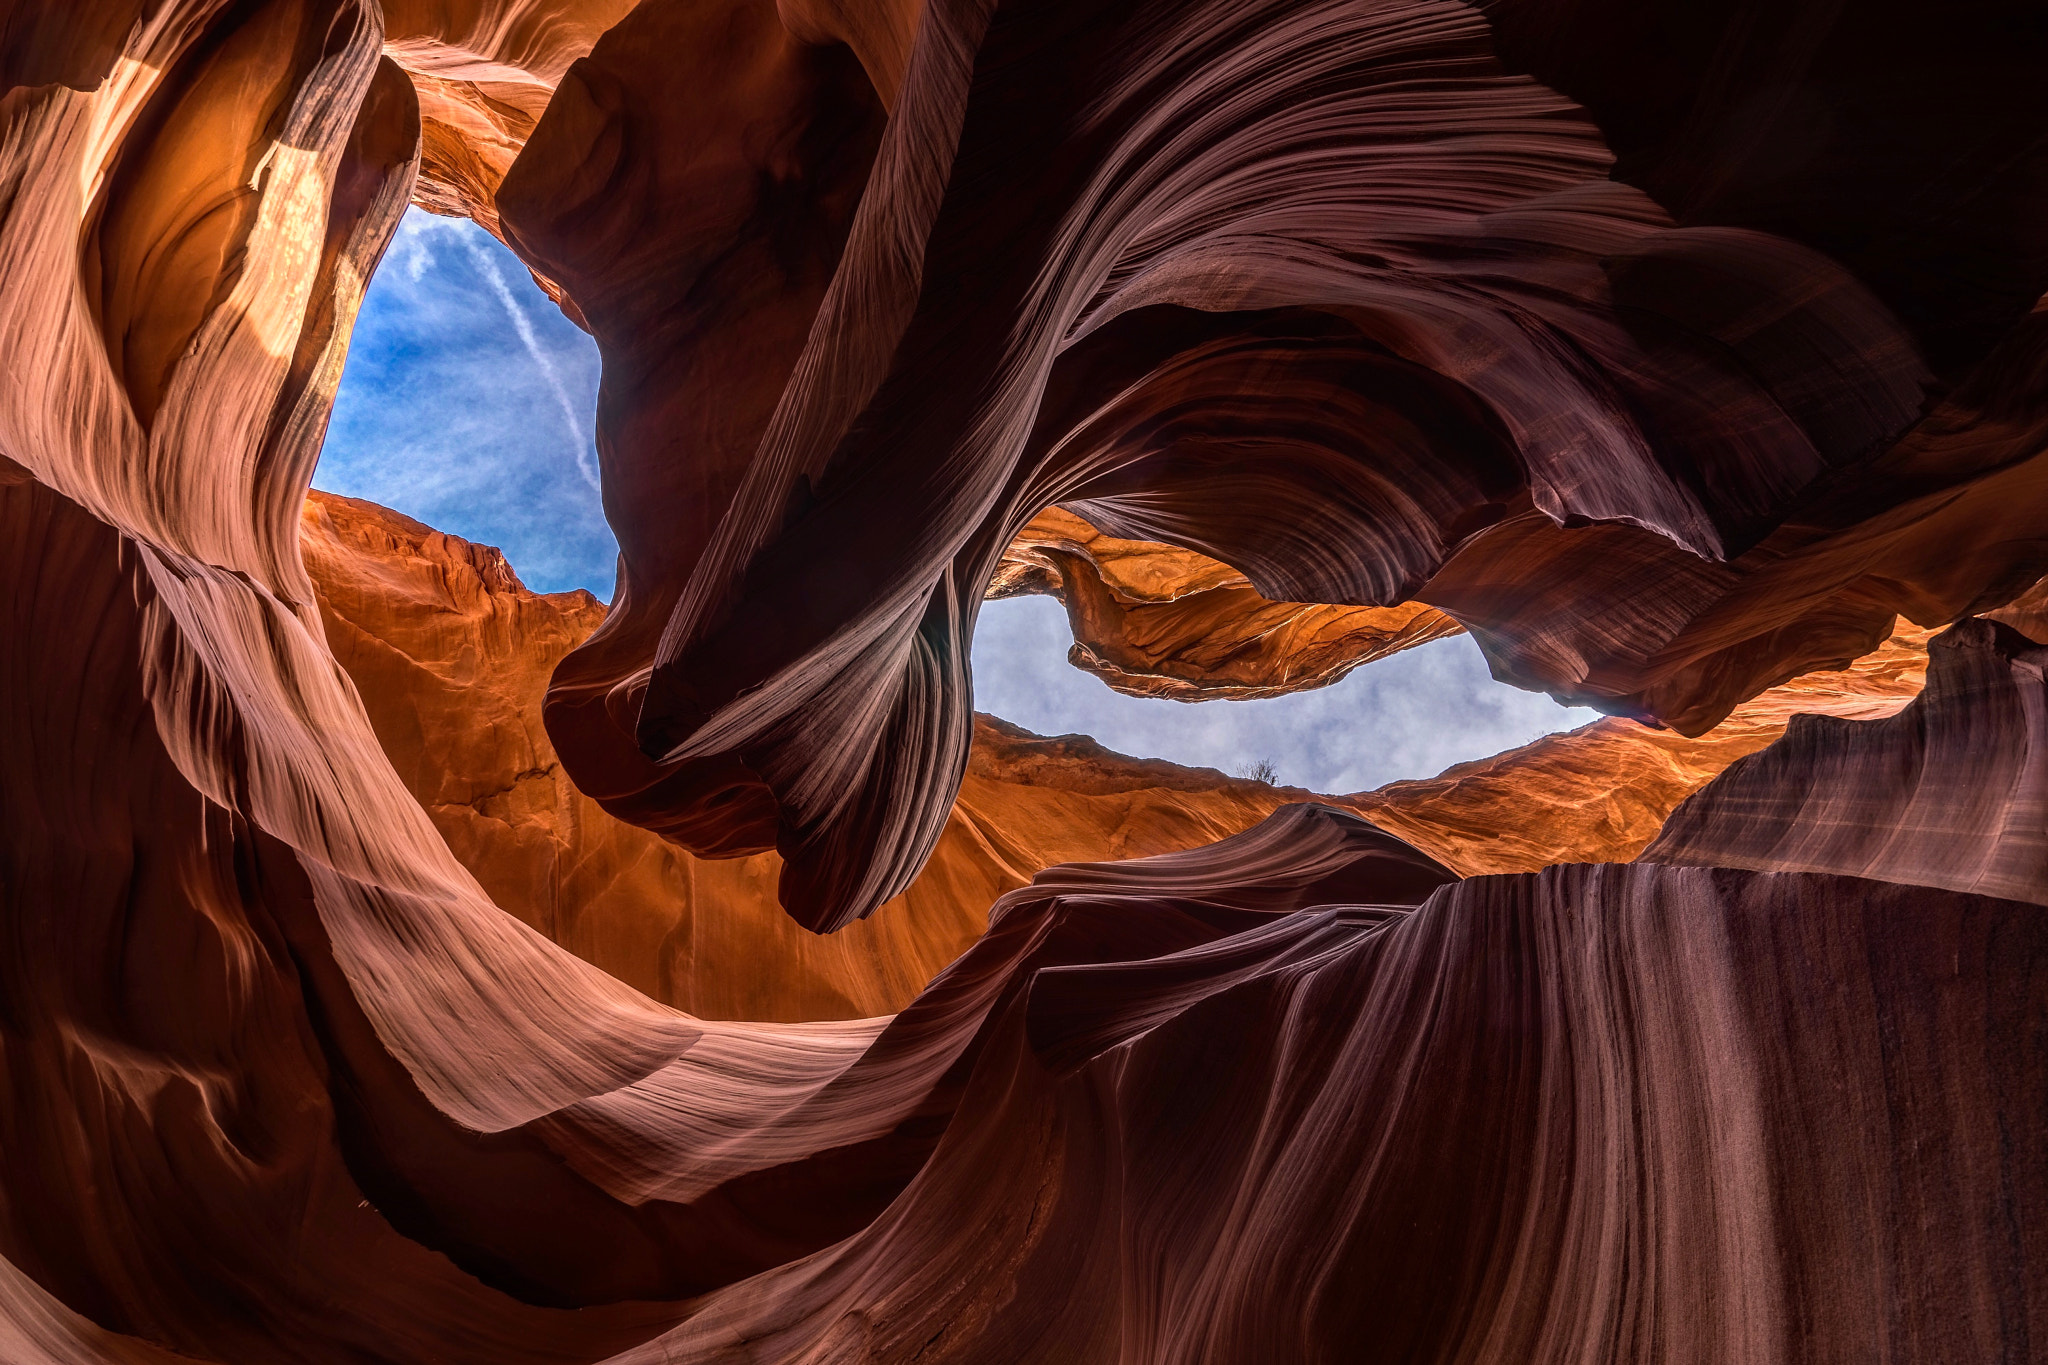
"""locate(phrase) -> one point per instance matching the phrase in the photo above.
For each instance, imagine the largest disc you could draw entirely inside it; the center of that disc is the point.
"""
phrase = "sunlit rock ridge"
(399, 965)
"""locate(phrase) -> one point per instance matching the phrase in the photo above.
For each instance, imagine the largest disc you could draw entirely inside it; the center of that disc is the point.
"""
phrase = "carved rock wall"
(451, 656)
(1952, 791)
(1158, 621)
(1477, 362)
(1602, 792)
(1672, 351)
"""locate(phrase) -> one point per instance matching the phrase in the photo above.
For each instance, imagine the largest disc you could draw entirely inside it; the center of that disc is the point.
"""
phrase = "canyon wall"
(1952, 791)
(1155, 620)
(451, 656)
(1480, 364)
(451, 653)
(1672, 353)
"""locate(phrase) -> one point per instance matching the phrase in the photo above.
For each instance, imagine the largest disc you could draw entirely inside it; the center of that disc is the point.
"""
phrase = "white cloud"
(576, 426)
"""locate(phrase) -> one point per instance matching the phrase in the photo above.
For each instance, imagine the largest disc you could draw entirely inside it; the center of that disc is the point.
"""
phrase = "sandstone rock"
(484, 71)
(1158, 621)
(1601, 793)
(1658, 439)
(1952, 791)
(451, 656)
(1674, 351)
(1474, 1073)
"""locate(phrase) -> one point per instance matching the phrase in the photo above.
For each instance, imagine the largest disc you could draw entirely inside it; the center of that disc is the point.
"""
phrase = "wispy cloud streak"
(579, 440)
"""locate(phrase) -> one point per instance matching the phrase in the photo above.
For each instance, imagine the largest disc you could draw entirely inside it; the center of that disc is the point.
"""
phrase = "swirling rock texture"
(1602, 792)
(1346, 297)
(1964, 798)
(451, 655)
(483, 72)
(1671, 351)
(1155, 620)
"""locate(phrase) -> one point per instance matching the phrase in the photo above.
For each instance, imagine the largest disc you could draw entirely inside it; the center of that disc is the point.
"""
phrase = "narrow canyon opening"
(467, 404)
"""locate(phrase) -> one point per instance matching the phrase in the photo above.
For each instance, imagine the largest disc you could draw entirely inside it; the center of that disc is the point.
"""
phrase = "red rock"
(451, 656)
(1157, 621)
(1672, 354)
(1602, 792)
(1948, 792)
(1462, 365)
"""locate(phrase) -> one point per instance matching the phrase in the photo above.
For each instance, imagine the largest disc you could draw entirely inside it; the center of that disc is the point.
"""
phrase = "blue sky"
(468, 403)
(1410, 715)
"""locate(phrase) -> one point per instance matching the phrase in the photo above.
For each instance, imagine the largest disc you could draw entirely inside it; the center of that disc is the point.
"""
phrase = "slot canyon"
(401, 964)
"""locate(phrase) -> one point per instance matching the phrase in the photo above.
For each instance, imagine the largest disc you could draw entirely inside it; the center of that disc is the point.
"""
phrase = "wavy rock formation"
(1952, 791)
(1155, 620)
(451, 656)
(1671, 351)
(483, 72)
(1469, 1073)
(1408, 340)
(1601, 793)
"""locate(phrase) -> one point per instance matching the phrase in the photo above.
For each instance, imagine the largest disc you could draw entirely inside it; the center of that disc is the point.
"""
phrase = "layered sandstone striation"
(1602, 792)
(451, 654)
(1459, 1070)
(1155, 620)
(484, 72)
(1660, 432)
(1673, 351)
(1952, 791)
